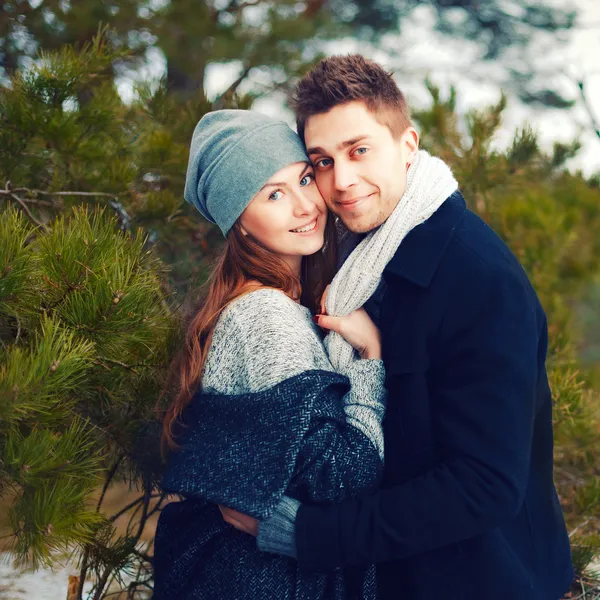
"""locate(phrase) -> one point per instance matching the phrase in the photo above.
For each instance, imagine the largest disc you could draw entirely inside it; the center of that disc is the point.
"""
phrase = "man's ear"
(411, 141)
(410, 144)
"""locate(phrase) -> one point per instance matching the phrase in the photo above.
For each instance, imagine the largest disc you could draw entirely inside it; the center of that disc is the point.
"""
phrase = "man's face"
(359, 167)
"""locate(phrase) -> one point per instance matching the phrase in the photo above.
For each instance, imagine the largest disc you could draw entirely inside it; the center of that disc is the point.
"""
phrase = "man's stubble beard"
(355, 226)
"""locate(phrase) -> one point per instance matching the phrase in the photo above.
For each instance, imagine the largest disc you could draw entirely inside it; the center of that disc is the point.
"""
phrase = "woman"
(260, 410)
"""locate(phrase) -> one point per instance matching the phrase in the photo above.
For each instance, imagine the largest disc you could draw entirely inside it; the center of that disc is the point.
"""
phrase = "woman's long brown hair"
(244, 265)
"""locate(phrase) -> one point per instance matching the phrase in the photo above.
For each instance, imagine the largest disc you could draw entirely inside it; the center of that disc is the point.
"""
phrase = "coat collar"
(422, 249)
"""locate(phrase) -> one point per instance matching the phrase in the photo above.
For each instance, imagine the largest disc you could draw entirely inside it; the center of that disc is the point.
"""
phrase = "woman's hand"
(357, 329)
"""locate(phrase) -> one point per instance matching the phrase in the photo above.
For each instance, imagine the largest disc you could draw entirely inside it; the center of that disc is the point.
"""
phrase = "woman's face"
(288, 214)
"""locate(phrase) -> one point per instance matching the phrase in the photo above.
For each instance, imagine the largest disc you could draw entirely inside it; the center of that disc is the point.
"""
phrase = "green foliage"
(14, 263)
(84, 346)
(43, 454)
(588, 313)
(64, 138)
(50, 518)
(67, 138)
(37, 379)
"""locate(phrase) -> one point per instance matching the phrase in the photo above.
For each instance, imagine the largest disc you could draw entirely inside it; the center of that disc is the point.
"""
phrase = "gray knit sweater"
(264, 337)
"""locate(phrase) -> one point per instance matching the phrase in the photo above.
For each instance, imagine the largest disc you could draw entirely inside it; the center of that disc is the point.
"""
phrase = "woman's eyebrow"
(282, 183)
(274, 184)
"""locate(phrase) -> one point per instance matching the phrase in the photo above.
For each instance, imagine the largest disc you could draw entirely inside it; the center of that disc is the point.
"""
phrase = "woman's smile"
(307, 229)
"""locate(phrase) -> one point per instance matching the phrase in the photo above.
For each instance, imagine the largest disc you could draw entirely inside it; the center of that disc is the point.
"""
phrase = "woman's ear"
(244, 232)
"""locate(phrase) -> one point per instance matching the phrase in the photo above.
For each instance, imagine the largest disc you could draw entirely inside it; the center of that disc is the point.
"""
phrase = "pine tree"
(85, 321)
(84, 343)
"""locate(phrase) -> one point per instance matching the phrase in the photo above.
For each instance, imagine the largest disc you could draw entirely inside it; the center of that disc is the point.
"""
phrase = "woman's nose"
(304, 203)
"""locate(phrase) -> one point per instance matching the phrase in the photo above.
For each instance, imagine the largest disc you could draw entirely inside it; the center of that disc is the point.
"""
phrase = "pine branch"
(86, 552)
(109, 575)
(36, 201)
(228, 93)
(110, 594)
(580, 526)
(115, 362)
(118, 363)
(113, 201)
(132, 587)
(142, 555)
(108, 481)
(23, 206)
(102, 583)
(235, 7)
(34, 191)
(157, 506)
(586, 591)
(130, 506)
(588, 107)
(144, 517)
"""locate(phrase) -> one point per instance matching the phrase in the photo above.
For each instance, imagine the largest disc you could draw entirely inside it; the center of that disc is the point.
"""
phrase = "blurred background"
(100, 256)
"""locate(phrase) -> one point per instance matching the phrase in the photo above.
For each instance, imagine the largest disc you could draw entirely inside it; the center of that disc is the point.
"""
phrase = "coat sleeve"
(245, 451)
(336, 457)
(485, 394)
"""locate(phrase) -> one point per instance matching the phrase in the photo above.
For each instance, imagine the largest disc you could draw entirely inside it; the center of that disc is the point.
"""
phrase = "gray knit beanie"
(232, 155)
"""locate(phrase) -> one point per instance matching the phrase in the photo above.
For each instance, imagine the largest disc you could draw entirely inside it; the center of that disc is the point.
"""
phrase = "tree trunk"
(182, 83)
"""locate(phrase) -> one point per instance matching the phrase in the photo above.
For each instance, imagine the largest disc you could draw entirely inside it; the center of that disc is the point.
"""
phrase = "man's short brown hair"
(341, 79)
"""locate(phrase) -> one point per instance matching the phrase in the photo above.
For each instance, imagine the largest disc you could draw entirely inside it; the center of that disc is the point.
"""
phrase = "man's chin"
(362, 223)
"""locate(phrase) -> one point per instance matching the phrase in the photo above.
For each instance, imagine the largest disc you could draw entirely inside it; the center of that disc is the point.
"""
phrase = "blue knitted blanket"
(246, 451)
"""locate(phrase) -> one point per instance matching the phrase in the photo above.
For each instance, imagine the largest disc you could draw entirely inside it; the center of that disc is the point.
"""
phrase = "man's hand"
(239, 520)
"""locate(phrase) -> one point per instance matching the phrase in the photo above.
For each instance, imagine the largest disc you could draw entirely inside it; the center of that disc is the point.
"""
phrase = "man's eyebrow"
(344, 144)
(315, 150)
(282, 183)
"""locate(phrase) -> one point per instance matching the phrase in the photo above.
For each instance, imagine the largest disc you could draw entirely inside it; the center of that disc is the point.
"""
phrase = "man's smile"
(352, 203)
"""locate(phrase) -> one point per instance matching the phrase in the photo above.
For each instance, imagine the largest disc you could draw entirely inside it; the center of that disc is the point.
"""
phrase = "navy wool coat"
(468, 508)
(245, 451)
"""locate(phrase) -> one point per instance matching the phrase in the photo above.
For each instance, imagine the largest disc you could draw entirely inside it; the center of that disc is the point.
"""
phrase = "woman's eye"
(276, 195)
(307, 179)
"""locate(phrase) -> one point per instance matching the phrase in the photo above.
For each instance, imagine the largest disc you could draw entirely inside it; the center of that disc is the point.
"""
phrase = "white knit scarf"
(429, 183)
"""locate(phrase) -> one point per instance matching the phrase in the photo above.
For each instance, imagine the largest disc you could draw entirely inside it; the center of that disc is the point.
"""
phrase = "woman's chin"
(315, 247)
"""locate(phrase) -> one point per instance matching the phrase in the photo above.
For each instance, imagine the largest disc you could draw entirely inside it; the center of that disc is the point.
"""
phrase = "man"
(467, 508)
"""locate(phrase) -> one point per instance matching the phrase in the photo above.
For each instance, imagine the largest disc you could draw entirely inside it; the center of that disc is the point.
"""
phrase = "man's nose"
(344, 175)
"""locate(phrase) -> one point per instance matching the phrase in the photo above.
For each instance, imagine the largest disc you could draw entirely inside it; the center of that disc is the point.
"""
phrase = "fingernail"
(316, 319)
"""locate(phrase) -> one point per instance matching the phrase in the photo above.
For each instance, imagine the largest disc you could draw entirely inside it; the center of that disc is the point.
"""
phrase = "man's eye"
(322, 163)
(361, 150)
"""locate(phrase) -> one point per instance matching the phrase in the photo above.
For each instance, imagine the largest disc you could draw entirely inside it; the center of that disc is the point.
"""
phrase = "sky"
(418, 51)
